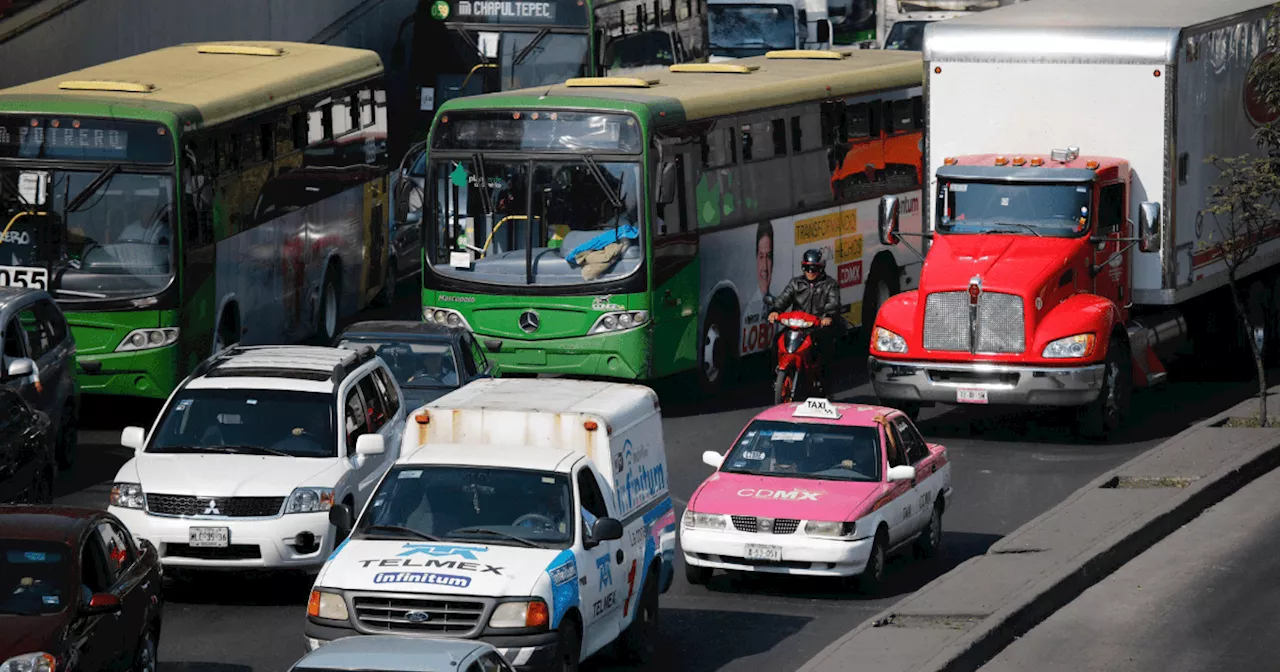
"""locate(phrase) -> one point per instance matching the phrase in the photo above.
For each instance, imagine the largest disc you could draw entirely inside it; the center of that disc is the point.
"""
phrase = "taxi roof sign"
(816, 408)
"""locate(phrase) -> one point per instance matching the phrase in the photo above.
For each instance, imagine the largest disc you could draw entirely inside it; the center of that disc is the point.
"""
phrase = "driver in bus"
(816, 293)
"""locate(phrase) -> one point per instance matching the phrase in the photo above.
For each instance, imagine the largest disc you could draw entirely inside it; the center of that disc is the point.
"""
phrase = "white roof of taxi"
(618, 404)
(489, 455)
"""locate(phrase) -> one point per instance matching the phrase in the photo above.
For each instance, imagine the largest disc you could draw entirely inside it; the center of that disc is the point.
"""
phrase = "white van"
(531, 514)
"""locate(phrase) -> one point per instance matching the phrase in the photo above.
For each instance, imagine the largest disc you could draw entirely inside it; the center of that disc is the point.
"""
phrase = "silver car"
(393, 653)
(39, 362)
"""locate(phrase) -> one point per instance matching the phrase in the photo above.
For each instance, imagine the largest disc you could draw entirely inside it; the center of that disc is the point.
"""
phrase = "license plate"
(210, 537)
(969, 395)
(24, 276)
(770, 553)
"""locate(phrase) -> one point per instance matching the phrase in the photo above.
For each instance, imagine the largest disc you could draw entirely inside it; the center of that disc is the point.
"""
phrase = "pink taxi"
(821, 489)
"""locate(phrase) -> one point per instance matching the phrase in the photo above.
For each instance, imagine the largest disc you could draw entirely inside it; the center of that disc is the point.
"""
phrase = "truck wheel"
(640, 640)
(1105, 414)
(568, 648)
(697, 576)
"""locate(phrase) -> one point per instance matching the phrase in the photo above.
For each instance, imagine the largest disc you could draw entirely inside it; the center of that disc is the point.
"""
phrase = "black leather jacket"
(820, 298)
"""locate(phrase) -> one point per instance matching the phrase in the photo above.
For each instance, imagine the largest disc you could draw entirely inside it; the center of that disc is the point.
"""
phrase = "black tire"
(881, 284)
(1105, 414)
(228, 332)
(714, 352)
(871, 581)
(68, 438)
(781, 396)
(639, 642)
(930, 540)
(144, 658)
(697, 576)
(328, 311)
(387, 295)
(568, 648)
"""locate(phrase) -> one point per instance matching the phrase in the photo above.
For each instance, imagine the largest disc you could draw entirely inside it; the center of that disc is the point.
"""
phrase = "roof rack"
(809, 54)
(625, 82)
(356, 358)
(239, 49)
(720, 68)
(104, 85)
(360, 356)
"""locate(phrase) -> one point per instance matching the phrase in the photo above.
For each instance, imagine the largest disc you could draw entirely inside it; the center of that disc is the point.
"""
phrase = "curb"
(1022, 612)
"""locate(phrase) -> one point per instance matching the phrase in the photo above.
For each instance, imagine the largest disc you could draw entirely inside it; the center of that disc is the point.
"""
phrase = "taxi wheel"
(930, 539)
(568, 648)
(697, 576)
(872, 578)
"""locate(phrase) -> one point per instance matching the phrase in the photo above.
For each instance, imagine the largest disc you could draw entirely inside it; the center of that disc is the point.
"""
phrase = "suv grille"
(765, 525)
(389, 614)
(999, 323)
(224, 507)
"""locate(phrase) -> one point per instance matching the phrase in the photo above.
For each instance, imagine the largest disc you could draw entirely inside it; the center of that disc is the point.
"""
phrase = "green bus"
(628, 227)
(181, 200)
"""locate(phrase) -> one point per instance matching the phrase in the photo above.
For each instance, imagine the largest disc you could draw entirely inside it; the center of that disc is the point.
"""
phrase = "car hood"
(217, 475)
(452, 568)
(781, 497)
(28, 634)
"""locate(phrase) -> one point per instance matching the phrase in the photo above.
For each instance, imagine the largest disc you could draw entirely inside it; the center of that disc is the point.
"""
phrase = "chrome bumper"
(1004, 384)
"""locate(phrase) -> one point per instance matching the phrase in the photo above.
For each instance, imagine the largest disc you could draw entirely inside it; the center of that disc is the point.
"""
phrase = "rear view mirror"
(20, 367)
(133, 437)
(1149, 227)
(101, 603)
(904, 472)
(712, 459)
(370, 444)
(341, 517)
(667, 184)
(888, 220)
(606, 529)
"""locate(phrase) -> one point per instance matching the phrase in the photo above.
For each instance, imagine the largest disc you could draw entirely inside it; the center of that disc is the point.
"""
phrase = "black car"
(428, 360)
(27, 458)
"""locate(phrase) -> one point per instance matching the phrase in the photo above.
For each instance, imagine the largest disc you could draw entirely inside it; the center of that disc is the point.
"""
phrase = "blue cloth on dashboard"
(605, 239)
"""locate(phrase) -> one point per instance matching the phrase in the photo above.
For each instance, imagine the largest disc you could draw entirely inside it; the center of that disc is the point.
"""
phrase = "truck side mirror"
(888, 220)
(606, 529)
(1149, 227)
(667, 184)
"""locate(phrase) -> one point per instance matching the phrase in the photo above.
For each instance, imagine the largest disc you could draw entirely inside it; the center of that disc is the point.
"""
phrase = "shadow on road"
(688, 639)
(188, 666)
(239, 588)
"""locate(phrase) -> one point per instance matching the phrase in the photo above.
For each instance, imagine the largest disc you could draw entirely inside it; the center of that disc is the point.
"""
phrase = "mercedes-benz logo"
(211, 509)
(417, 616)
(529, 321)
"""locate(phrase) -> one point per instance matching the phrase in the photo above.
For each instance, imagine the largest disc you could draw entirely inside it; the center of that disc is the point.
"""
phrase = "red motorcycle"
(798, 365)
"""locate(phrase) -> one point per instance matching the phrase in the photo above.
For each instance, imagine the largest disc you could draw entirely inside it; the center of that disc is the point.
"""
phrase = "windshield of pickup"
(827, 452)
(1019, 208)
(283, 423)
(35, 577)
(513, 507)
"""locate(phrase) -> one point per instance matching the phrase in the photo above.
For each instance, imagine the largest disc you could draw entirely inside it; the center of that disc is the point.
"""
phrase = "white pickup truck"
(531, 514)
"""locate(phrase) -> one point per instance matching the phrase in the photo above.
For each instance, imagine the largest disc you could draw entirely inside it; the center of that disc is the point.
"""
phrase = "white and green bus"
(629, 227)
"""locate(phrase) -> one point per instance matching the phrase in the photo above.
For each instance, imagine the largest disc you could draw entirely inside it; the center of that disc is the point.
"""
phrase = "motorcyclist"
(818, 294)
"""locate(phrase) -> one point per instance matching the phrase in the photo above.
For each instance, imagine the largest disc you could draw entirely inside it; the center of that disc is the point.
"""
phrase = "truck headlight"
(309, 500)
(30, 662)
(146, 339)
(127, 495)
(703, 521)
(531, 614)
(887, 341)
(1071, 347)
(327, 605)
(836, 530)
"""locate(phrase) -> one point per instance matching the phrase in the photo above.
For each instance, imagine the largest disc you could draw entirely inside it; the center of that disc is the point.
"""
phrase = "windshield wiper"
(74, 204)
(245, 448)
(400, 530)
(594, 168)
(1028, 227)
(496, 533)
(478, 160)
(528, 48)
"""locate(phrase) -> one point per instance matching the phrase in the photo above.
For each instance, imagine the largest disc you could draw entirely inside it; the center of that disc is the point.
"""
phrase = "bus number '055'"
(19, 276)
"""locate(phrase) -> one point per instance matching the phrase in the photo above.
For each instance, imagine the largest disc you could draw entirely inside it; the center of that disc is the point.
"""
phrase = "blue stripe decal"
(661, 521)
(563, 571)
(334, 554)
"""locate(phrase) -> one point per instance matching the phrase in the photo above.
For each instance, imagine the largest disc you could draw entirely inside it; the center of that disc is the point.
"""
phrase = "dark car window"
(374, 404)
(39, 333)
(357, 421)
(917, 449)
(469, 360)
(415, 364)
(119, 552)
(94, 575)
(35, 577)
(15, 346)
(299, 424)
(482, 362)
(55, 322)
(387, 387)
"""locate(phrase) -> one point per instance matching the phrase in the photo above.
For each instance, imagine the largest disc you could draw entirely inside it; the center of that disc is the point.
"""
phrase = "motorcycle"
(797, 355)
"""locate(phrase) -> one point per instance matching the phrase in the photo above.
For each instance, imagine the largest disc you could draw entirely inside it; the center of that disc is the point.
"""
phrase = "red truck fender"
(1079, 314)
(898, 315)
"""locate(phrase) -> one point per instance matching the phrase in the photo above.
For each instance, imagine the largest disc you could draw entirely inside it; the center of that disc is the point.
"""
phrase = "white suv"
(252, 450)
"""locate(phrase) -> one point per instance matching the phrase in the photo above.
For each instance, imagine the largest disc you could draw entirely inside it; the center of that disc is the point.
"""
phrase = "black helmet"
(812, 260)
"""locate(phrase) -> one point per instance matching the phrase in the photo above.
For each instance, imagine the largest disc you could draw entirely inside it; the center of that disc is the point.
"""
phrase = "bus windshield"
(1047, 209)
(90, 234)
(466, 62)
(738, 31)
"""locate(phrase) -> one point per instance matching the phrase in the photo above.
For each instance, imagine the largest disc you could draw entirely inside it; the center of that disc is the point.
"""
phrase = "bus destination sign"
(506, 11)
(24, 137)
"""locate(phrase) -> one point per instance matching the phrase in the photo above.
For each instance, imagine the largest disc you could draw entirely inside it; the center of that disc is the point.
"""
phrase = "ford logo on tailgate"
(417, 617)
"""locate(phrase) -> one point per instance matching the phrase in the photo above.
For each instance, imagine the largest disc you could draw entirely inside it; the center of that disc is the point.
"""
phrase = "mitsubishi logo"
(529, 321)
(211, 509)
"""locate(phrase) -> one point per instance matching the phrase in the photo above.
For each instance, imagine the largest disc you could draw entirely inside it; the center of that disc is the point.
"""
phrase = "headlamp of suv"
(126, 496)
(30, 662)
(531, 614)
(309, 500)
(327, 605)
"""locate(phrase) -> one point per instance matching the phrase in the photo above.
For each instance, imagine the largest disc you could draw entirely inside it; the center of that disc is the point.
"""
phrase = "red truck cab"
(1023, 297)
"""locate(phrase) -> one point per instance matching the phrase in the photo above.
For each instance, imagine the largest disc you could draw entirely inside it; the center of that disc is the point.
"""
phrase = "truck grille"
(753, 525)
(443, 616)
(999, 329)
(225, 507)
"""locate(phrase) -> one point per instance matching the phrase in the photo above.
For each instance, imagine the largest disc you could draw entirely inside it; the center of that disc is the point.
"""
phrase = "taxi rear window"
(828, 452)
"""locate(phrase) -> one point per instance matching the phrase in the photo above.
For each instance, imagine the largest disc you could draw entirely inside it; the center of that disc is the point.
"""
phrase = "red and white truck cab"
(1065, 270)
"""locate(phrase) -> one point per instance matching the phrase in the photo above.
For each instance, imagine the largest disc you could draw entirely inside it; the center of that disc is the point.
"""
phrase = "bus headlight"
(444, 317)
(621, 320)
(147, 339)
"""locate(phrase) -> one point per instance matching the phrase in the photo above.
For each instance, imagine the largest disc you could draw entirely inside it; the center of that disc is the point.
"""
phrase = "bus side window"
(810, 175)
(716, 193)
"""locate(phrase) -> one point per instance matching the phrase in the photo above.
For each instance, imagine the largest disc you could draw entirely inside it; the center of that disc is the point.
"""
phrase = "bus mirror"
(888, 220)
(1149, 227)
(667, 184)
(824, 32)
